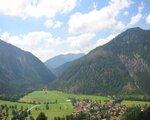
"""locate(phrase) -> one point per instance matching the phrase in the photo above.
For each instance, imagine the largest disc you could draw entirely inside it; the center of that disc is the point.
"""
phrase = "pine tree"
(47, 107)
(41, 116)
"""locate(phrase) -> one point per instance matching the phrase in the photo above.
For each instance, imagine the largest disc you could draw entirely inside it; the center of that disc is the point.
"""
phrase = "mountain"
(20, 71)
(60, 69)
(120, 66)
(59, 63)
(61, 59)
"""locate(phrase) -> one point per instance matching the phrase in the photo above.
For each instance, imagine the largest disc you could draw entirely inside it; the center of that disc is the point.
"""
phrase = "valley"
(74, 59)
(111, 82)
(59, 104)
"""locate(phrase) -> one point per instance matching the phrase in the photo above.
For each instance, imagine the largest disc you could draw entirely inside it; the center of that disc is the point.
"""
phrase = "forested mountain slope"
(122, 65)
(20, 71)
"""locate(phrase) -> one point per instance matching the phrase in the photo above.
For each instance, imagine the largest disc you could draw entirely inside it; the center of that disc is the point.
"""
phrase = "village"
(109, 110)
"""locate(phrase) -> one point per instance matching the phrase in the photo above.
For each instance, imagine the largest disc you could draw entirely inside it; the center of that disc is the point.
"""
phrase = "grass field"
(62, 102)
(52, 96)
(8, 103)
(62, 108)
(134, 103)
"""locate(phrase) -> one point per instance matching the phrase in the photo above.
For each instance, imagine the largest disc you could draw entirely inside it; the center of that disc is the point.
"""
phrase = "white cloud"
(84, 26)
(36, 8)
(120, 26)
(44, 45)
(134, 20)
(81, 42)
(103, 41)
(52, 24)
(40, 43)
(97, 20)
(148, 19)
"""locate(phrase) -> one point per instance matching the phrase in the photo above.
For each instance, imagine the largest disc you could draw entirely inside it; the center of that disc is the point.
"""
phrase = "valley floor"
(58, 104)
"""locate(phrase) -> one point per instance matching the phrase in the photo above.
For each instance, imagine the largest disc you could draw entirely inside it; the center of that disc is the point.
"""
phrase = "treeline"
(16, 113)
(137, 113)
(14, 97)
(13, 112)
(145, 98)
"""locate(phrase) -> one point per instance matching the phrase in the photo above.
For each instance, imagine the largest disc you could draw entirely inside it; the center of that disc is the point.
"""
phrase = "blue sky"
(47, 28)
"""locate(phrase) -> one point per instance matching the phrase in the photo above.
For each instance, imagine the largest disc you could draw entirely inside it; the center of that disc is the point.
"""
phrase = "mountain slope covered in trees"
(20, 71)
(120, 66)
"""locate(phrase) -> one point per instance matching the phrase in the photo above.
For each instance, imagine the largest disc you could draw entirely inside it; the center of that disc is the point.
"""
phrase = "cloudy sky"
(51, 27)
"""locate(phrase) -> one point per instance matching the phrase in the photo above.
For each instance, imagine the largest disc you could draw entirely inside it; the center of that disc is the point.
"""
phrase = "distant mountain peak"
(68, 54)
(61, 59)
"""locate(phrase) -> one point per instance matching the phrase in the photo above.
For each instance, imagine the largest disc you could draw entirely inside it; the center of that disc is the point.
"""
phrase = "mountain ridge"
(21, 71)
(118, 66)
(60, 62)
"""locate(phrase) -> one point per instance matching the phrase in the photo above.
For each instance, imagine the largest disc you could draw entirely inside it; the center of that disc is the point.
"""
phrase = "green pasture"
(134, 103)
(58, 102)
(52, 96)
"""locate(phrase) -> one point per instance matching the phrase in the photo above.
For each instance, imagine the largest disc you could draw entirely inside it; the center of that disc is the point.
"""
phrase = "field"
(8, 103)
(134, 103)
(59, 103)
(52, 96)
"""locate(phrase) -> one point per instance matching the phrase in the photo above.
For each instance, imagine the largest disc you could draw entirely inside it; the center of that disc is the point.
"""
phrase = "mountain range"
(21, 72)
(120, 66)
(60, 63)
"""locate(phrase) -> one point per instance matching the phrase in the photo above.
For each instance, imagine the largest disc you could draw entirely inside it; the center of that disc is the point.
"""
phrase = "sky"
(48, 28)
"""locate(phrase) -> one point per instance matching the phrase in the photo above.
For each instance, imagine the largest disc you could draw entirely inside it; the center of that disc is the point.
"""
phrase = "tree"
(7, 109)
(13, 112)
(29, 112)
(56, 101)
(41, 116)
(31, 118)
(47, 107)
(15, 106)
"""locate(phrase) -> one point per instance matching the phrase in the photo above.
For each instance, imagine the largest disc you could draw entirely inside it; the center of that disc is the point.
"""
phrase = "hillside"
(20, 71)
(122, 65)
(57, 61)
(59, 70)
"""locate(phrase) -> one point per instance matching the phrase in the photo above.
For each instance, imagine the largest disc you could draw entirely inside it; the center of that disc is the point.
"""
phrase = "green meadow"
(52, 96)
(59, 103)
(134, 103)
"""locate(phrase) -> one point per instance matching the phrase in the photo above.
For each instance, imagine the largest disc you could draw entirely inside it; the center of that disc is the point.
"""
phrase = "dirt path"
(33, 107)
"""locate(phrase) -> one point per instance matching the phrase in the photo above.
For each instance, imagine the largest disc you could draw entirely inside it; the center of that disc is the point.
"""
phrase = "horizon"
(64, 54)
(47, 31)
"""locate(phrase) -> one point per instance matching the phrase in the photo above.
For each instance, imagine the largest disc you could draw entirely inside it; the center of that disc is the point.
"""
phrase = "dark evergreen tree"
(47, 107)
(41, 116)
